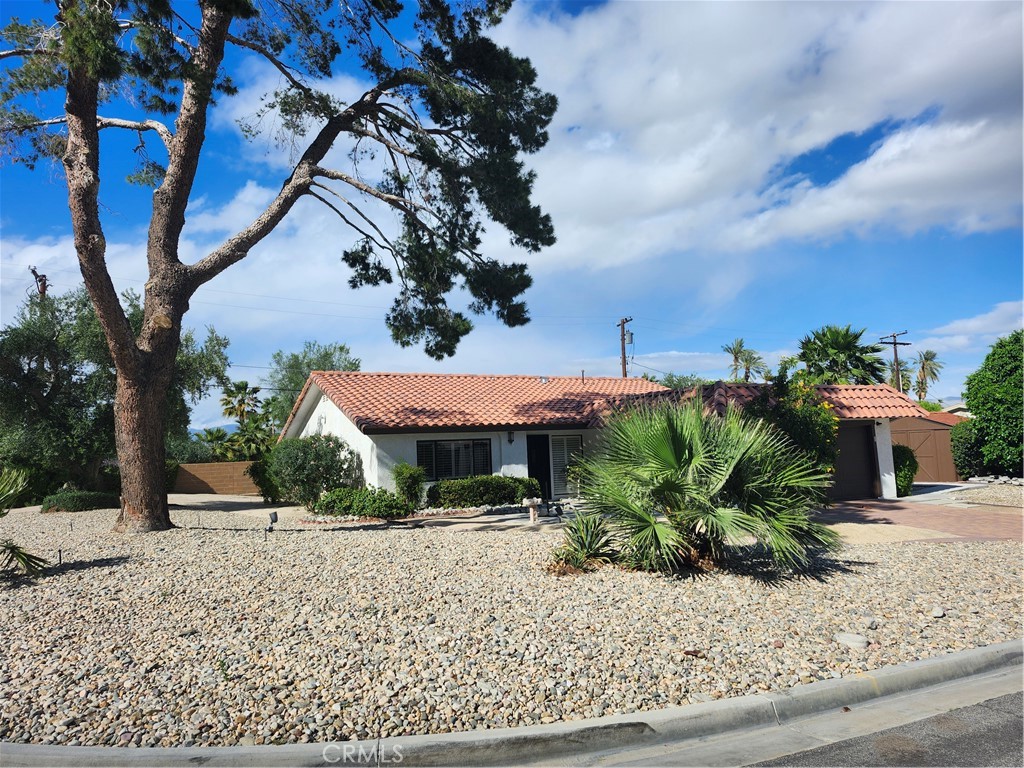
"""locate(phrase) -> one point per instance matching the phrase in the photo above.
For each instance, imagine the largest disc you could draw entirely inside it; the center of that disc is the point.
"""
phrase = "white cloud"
(1004, 318)
(674, 116)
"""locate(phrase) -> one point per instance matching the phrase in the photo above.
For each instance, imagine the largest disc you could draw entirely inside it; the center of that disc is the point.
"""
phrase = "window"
(445, 459)
(563, 450)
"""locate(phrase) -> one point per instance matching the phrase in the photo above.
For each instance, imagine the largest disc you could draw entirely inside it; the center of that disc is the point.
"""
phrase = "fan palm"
(736, 349)
(835, 355)
(12, 484)
(681, 485)
(239, 400)
(928, 367)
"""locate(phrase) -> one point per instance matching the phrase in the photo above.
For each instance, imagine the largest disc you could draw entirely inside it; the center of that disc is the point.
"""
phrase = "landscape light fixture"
(273, 519)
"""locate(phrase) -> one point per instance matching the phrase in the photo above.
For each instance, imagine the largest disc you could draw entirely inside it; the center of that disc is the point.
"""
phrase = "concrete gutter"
(548, 743)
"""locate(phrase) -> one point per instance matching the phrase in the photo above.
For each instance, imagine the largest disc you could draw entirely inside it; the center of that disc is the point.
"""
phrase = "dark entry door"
(856, 467)
(538, 462)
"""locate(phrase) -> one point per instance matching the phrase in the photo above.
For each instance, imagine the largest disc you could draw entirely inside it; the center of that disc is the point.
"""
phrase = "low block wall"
(218, 477)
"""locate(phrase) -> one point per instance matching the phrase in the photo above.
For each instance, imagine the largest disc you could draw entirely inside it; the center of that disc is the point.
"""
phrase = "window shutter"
(425, 458)
(482, 457)
(563, 450)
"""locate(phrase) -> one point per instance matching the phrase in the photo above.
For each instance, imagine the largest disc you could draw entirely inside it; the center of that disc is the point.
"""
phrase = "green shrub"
(905, 462)
(409, 482)
(930, 406)
(79, 501)
(171, 468)
(337, 502)
(994, 395)
(588, 542)
(363, 502)
(259, 472)
(966, 445)
(482, 490)
(304, 468)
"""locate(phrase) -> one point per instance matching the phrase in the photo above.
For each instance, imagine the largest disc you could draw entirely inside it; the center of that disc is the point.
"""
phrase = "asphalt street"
(990, 733)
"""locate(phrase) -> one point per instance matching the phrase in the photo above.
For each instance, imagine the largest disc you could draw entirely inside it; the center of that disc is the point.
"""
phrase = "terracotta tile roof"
(950, 419)
(851, 401)
(869, 401)
(386, 402)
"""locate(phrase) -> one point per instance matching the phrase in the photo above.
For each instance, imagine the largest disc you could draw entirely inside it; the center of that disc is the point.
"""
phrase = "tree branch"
(384, 242)
(237, 247)
(22, 52)
(279, 65)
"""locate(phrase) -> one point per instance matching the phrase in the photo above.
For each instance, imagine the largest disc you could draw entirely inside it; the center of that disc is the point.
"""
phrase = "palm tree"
(753, 364)
(928, 367)
(679, 485)
(835, 355)
(906, 374)
(240, 400)
(736, 349)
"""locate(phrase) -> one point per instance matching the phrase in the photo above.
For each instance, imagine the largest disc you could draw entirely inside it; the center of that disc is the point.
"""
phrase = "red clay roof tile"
(387, 402)
(382, 402)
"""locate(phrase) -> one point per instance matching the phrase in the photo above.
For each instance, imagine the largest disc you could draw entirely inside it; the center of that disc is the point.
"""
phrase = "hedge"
(906, 468)
(363, 502)
(67, 500)
(482, 490)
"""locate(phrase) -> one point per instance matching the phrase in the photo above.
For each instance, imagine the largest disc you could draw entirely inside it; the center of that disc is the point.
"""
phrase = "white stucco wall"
(883, 451)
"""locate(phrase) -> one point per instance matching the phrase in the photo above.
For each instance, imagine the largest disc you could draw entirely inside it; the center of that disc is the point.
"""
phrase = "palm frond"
(13, 556)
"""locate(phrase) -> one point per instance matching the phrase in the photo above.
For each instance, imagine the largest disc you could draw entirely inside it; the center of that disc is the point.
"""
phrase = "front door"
(538, 462)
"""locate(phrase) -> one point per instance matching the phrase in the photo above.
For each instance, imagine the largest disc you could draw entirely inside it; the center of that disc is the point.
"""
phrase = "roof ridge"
(480, 375)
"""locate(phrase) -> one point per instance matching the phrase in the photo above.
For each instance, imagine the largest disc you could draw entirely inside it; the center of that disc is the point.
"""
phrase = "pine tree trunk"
(139, 432)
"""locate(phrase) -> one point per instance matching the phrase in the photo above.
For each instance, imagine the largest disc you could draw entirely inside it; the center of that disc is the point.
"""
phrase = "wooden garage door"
(855, 468)
(933, 451)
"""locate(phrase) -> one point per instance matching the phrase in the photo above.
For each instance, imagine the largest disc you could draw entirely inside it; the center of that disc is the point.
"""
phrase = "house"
(929, 437)
(456, 425)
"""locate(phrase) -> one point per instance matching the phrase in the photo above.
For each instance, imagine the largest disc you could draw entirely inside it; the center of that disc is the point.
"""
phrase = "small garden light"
(273, 519)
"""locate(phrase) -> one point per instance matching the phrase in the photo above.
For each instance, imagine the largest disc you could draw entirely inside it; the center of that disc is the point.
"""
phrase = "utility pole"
(622, 341)
(890, 340)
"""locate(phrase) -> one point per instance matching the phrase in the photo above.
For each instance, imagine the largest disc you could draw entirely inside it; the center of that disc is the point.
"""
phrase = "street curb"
(514, 746)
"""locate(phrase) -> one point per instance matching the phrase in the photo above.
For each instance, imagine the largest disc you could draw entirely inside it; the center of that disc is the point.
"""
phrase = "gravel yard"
(1002, 495)
(212, 636)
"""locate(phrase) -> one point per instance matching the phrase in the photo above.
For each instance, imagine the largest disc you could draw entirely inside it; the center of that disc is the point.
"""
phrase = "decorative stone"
(851, 640)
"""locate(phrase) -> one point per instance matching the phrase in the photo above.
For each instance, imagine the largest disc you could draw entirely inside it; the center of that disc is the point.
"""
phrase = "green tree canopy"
(445, 121)
(289, 371)
(681, 381)
(835, 355)
(995, 397)
(57, 388)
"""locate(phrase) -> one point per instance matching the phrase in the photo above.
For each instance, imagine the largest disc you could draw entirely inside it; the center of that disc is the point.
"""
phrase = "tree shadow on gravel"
(755, 562)
(12, 580)
(287, 531)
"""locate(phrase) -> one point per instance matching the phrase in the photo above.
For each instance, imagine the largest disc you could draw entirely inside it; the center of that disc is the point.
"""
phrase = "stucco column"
(883, 452)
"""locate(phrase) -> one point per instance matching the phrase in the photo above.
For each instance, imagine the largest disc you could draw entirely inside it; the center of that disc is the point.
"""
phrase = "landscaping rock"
(213, 635)
(851, 640)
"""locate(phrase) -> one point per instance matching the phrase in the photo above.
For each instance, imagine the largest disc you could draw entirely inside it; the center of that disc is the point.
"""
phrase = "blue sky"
(715, 170)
